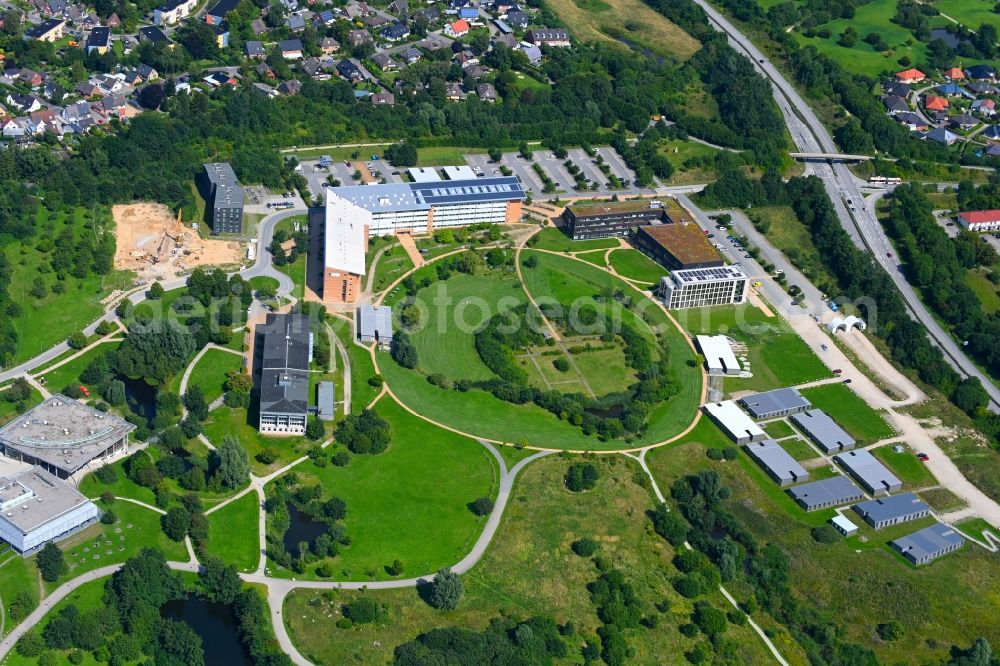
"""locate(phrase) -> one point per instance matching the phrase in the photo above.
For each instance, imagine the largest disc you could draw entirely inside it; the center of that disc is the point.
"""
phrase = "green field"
(393, 263)
(679, 151)
(362, 368)
(778, 356)
(235, 422)
(799, 449)
(970, 13)
(634, 265)
(210, 372)
(985, 291)
(906, 466)
(410, 502)
(942, 499)
(233, 535)
(530, 570)
(551, 238)
(430, 156)
(16, 575)
(123, 487)
(851, 412)
(8, 410)
(864, 583)
(48, 321)
(778, 429)
(69, 373)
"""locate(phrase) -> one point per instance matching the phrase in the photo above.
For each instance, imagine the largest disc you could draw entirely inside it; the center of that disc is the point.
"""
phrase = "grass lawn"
(551, 238)
(851, 412)
(609, 20)
(210, 372)
(393, 263)
(778, 429)
(595, 257)
(799, 449)
(123, 487)
(16, 575)
(985, 291)
(444, 155)
(410, 502)
(778, 356)
(446, 344)
(297, 271)
(362, 368)
(634, 265)
(262, 281)
(8, 410)
(69, 373)
(942, 499)
(975, 527)
(235, 422)
(788, 234)
(861, 584)
(604, 369)
(49, 320)
(530, 570)
(906, 466)
(970, 13)
(233, 533)
(679, 151)
(88, 549)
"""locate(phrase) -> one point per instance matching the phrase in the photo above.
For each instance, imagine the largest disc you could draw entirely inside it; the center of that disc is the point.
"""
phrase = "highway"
(856, 215)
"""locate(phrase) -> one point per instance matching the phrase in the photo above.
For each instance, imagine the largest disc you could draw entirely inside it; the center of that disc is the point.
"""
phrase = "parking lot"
(554, 167)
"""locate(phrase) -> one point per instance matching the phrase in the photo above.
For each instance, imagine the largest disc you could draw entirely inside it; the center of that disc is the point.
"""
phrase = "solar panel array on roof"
(397, 197)
(691, 275)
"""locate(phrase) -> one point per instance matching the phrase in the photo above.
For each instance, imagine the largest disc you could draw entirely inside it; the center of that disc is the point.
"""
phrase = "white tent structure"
(845, 324)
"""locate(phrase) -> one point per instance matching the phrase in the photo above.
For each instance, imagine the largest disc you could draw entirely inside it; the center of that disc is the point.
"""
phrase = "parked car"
(847, 381)
(824, 347)
(923, 457)
(837, 371)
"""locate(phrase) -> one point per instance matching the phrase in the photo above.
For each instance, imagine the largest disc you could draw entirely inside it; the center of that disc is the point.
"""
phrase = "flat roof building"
(602, 219)
(36, 507)
(718, 353)
(284, 346)
(928, 544)
(775, 404)
(325, 401)
(778, 464)
(734, 422)
(374, 324)
(823, 430)
(892, 510)
(424, 175)
(843, 525)
(702, 287)
(869, 472)
(678, 246)
(224, 198)
(345, 242)
(424, 207)
(980, 220)
(826, 493)
(63, 436)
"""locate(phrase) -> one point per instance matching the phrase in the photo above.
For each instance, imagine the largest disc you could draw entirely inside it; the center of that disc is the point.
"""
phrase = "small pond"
(141, 398)
(302, 527)
(216, 626)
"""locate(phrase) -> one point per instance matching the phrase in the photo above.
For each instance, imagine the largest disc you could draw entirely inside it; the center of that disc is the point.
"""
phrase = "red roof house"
(980, 220)
(955, 73)
(935, 103)
(457, 29)
(910, 76)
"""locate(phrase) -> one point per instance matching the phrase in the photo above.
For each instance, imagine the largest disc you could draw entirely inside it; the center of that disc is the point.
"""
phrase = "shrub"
(482, 506)
(714, 454)
(344, 623)
(890, 631)
(51, 563)
(175, 523)
(364, 433)
(446, 590)
(709, 619)
(825, 534)
(109, 517)
(363, 610)
(106, 474)
(267, 455)
(581, 476)
(670, 525)
(584, 547)
(730, 453)
(561, 364)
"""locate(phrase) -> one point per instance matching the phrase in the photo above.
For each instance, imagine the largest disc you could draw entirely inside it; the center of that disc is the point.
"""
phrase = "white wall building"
(36, 507)
(699, 287)
(719, 356)
(734, 422)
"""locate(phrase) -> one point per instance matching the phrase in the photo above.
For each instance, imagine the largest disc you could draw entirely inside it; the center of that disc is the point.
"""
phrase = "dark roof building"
(928, 544)
(217, 14)
(610, 218)
(892, 510)
(778, 464)
(284, 348)
(776, 403)
(981, 73)
(224, 196)
(99, 40)
(396, 31)
(374, 324)
(151, 33)
(869, 472)
(826, 493)
(823, 430)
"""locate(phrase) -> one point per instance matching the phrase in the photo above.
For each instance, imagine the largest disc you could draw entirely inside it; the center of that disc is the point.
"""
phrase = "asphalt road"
(857, 217)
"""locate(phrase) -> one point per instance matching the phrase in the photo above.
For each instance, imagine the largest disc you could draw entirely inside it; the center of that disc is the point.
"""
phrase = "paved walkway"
(410, 245)
(371, 268)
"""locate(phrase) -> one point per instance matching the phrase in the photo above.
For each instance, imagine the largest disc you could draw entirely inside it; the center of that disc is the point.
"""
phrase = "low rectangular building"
(892, 510)
(775, 404)
(224, 198)
(326, 402)
(718, 353)
(843, 525)
(702, 287)
(604, 219)
(869, 472)
(374, 324)
(823, 431)
(678, 246)
(980, 220)
(36, 507)
(928, 544)
(734, 422)
(826, 493)
(778, 464)
(284, 347)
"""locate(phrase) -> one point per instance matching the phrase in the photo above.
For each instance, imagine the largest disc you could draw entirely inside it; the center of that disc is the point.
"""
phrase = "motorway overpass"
(837, 157)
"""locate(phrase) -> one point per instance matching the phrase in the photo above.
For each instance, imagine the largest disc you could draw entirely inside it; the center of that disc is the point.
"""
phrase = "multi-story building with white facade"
(173, 11)
(36, 507)
(345, 242)
(698, 287)
(285, 347)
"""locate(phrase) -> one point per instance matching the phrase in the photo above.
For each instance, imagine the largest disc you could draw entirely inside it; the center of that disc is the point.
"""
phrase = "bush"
(890, 631)
(341, 458)
(363, 610)
(109, 517)
(106, 474)
(175, 523)
(709, 619)
(581, 476)
(482, 506)
(561, 364)
(51, 563)
(344, 623)
(670, 525)
(825, 534)
(267, 455)
(31, 644)
(364, 433)
(714, 454)
(446, 590)
(584, 547)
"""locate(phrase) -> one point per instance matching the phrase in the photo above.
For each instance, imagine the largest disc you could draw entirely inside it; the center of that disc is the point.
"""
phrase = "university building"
(610, 218)
(284, 348)
(224, 198)
(345, 242)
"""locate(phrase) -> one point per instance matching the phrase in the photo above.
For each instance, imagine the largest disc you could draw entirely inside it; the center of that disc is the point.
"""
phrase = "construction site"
(157, 245)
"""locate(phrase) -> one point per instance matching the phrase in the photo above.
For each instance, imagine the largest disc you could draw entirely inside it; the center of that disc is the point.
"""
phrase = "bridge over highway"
(838, 157)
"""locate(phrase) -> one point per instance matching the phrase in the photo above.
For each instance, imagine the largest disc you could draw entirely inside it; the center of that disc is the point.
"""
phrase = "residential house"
(113, 103)
(935, 103)
(255, 50)
(221, 35)
(898, 89)
(349, 71)
(547, 37)
(258, 26)
(475, 71)
(894, 105)
(992, 133)
(98, 40)
(23, 103)
(377, 20)
(983, 88)
(53, 92)
(219, 79)
(87, 90)
(265, 90)
(486, 92)
(265, 72)
(910, 76)
(291, 49)
(532, 52)
(395, 32)
(517, 19)
(71, 113)
(457, 29)
(964, 121)
(113, 21)
(30, 77)
(941, 135)
(434, 43)
(984, 107)
(955, 74)
(385, 62)
(329, 45)
(50, 30)
(383, 98)
(954, 90)
(155, 35)
(430, 14)
(290, 87)
(981, 73)
(993, 150)
(453, 92)
(217, 14)
(912, 121)
(130, 77)
(147, 73)
(358, 37)
(310, 66)
(412, 55)
(324, 18)
(400, 7)
(173, 11)
(296, 23)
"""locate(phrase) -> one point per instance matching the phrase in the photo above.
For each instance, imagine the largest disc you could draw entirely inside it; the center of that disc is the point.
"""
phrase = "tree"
(396, 568)
(175, 523)
(115, 393)
(233, 463)
(196, 404)
(581, 476)
(151, 96)
(315, 430)
(77, 340)
(482, 506)
(970, 396)
(51, 562)
(890, 631)
(402, 154)
(221, 582)
(670, 525)
(709, 619)
(584, 547)
(495, 154)
(155, 291)
(179, 644)
(446, 590)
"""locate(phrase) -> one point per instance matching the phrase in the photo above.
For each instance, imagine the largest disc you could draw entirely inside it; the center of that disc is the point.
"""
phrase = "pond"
(948, 38)
(302, 527)
(215, 624)
(141, 398)
(612, 412)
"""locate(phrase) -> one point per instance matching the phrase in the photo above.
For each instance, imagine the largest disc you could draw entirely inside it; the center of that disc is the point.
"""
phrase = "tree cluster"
(290, 495)
(364, 433)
